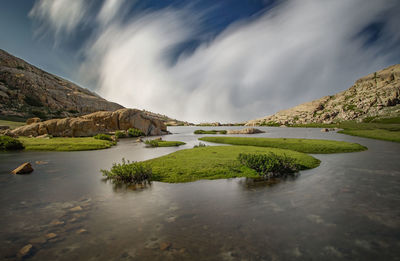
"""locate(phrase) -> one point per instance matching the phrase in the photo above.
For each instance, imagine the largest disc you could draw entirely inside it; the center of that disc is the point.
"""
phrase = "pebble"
(165, 246)
(82, 231)
(77, 208)
(51, 235)
(38, 240)
(26, 250)
(57, 222)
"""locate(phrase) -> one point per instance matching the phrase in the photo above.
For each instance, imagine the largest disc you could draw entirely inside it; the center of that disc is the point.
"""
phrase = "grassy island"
(312, 146)
(216, 162)
(210, 132)
(163, 143)
(65, 144)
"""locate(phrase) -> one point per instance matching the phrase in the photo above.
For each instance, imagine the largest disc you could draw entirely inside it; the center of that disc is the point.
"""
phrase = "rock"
(40, 162)
(324, 130)
(165, 246)
(139, 140)
(44, 136)
(4, 127)
(38, 240)
(51, 235)
(373, 95)
(75, 209)
(245, 131)
(57, 222)
(32, 120)
(94, 123)
(82, 231)
(25, 168)
(283, 126)
(25, 251)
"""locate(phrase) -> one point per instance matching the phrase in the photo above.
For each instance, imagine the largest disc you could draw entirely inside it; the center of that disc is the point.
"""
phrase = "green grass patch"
(65, 144)
(379, 134)
(216, 162)
(132, 132)
(11, 124)
(103, 137)
(301, 145)
(129, 172)
(210, 132)
(163, 143)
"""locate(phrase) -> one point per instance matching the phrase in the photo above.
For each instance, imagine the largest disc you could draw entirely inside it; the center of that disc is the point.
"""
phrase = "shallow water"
(346, 209)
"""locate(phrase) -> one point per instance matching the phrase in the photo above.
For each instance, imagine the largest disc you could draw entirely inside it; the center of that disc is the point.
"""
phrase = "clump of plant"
(200, 145)
(129, 172)
(152, 143)
(269, 165)
(210, 132)
(132, 132)
(120, 134)
(103, 137)
(9, 143)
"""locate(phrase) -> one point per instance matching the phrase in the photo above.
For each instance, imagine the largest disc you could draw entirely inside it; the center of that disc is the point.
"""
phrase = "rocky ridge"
(375, 95)
(92, 124)
(27, 91)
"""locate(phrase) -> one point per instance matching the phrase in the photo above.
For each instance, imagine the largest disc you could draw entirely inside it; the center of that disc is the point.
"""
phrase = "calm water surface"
(346, 209)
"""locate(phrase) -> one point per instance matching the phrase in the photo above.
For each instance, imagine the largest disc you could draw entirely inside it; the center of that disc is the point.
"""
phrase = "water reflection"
(343, 210)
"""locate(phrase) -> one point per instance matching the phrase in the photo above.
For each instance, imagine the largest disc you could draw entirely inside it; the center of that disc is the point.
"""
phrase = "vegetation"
(301, 145)
(132, 132)
(11, 124)
(210, 132)
(269, 165)
(162, 143)
(129, 172)
(379, 134)
(9, 143)
(120, 134)
(200, 145)
(103, 137)
(216, 162)
(65, 144)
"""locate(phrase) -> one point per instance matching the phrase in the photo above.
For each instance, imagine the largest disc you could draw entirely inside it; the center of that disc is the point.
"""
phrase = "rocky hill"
(27, 91)
(375, 95)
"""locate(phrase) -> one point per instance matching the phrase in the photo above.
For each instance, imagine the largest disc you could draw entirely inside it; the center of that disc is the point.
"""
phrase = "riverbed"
(346, 209)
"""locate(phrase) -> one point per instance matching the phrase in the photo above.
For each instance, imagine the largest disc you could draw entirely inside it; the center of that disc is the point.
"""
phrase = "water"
(346, 209)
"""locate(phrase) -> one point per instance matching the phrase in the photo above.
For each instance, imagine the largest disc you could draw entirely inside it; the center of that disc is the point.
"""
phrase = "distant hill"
(27, 91)
(376, 95)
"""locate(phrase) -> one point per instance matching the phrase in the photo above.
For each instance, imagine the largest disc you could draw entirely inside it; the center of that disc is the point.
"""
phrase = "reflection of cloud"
(62, 16)
(298, 51)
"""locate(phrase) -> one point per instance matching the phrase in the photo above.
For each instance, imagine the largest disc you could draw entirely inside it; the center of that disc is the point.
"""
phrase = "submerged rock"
(25, 168)
(324, 130)
(245, 131)
(165, 246)
(25, 251)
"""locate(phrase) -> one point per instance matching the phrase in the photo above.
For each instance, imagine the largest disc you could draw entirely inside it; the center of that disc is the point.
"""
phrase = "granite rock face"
(28, 91)
(375, 95)
(92, 124)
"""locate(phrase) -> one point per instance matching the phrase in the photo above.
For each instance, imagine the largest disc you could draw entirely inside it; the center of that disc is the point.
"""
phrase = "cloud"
(295, 52)
(109, 10)
(61, 16)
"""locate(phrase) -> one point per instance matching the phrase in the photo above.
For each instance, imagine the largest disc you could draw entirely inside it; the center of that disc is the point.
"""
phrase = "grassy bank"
(11, 124)
(215, 162)
(301, 145)
(382, 129)
(163, 143)
(65, 144)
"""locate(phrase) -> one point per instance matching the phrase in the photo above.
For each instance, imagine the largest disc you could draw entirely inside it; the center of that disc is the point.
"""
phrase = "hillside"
(376, 95)
(27, 91)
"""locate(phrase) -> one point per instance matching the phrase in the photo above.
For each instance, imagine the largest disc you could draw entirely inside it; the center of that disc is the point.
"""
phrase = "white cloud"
(61, 16)
(298, 51)
(109, 10)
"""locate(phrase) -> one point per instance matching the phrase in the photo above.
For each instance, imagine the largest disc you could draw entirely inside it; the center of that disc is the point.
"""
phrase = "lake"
(346, 209)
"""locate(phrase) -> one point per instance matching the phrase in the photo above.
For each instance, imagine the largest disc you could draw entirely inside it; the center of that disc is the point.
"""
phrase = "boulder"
(324, 130)
(245, 131)
(94, 123)
(32, 120)
(25, 168)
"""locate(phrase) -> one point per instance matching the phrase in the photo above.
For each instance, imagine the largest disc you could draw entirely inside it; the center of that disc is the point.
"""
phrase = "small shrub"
(9, 143)
(200, 145)
(132, 132)
(120, 134)
(129, 172)
(223, 132)
(102, 137)
(269, 165)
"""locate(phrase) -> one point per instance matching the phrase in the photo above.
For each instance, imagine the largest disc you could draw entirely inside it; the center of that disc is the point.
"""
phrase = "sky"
(205, 60)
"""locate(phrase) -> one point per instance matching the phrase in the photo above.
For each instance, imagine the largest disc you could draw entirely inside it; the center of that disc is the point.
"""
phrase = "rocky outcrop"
(25, 168)
(33, 120)
(245, 131)
(27, 91)
(92, 124)
(377, 94)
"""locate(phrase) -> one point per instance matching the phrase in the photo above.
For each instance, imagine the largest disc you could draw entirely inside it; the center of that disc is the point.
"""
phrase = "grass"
(11, 124)
(380, 134)
(210, 132)
(216, 162)
(163, 143)
(65, 144)
(301, 145)
(382, 129)
(9, 143)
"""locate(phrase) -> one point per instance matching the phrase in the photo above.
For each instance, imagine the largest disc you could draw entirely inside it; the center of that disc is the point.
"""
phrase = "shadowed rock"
(25, 168)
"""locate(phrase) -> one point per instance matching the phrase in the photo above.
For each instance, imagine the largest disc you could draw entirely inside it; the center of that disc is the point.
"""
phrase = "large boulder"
(94, 123)
(25, 168)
